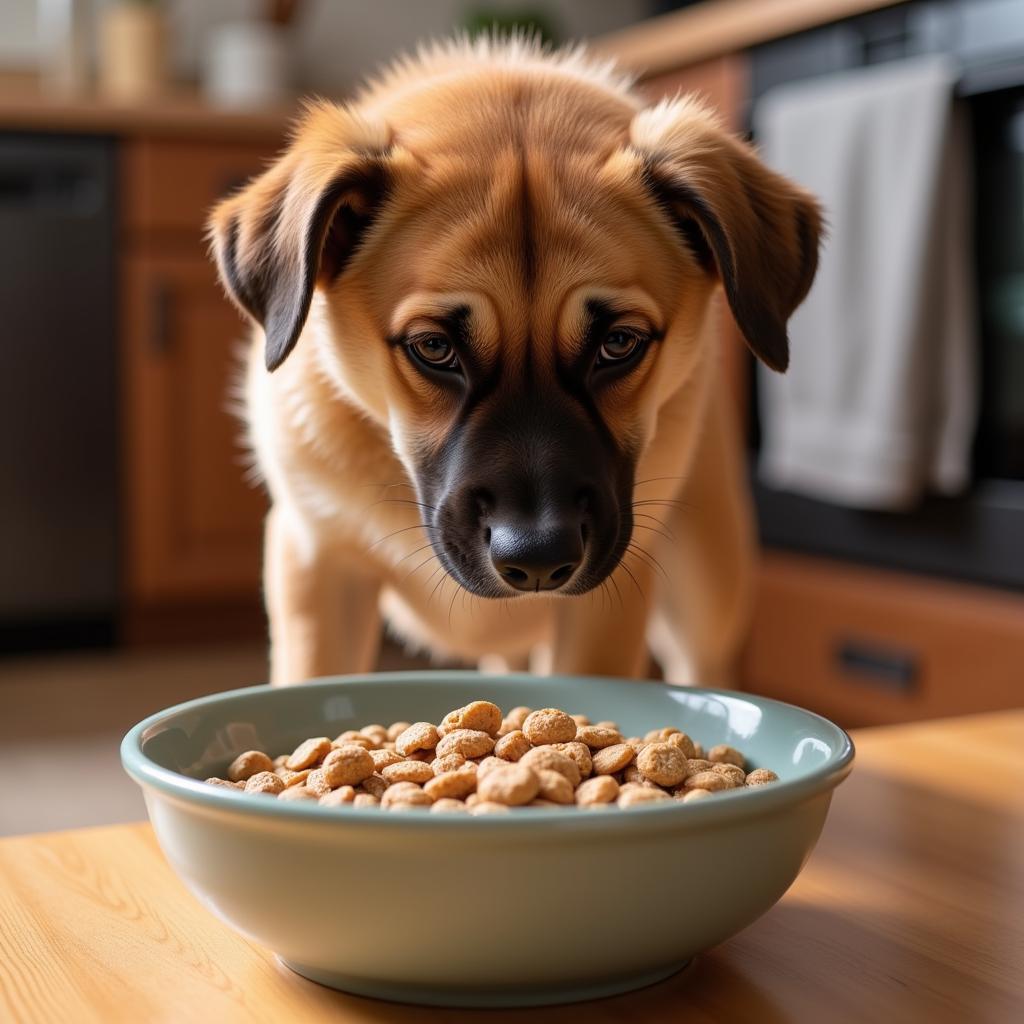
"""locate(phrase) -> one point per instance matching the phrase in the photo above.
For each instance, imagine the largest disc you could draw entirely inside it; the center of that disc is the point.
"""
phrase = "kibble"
(631, 795)
(723, 754)
(512, 745)
(760, 777)
(480, 716)
(548, 757)
(598, 736)
(578, 752)
(662, 763)
(457, 785)
(248, 764)
(479, 761)
(382, 758)
(601, 789)
(308, 753)
(512, 785)
(711, 781)
(467, 742)
(448, 763)
(610, 760)
(421, 736)
(337, 797)
(408, 771)
(549, 725)
(737, 776)
(346, 765)
(264, 782)
(293, 793)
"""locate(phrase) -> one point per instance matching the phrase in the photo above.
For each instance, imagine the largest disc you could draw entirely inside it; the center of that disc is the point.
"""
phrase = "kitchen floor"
(62, 718)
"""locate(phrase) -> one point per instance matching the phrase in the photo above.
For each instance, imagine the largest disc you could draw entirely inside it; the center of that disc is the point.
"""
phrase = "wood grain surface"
(25, 105)
(910, 910)
(718, 27)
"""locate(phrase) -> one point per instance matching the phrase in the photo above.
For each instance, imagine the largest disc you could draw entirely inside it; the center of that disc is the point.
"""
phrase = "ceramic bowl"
(537, 906)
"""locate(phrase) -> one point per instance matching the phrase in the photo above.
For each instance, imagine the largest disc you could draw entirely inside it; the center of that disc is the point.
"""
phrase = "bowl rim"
(729, 805)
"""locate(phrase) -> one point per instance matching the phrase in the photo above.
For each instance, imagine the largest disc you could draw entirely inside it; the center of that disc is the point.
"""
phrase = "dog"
(485, 291)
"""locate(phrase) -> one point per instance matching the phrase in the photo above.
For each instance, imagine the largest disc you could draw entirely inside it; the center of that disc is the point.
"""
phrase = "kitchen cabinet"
(193, 520)
(193, 516)
(869, 646)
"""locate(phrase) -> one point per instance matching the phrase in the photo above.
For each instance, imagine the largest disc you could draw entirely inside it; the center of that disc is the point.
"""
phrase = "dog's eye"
(435, 351)
(620, 345)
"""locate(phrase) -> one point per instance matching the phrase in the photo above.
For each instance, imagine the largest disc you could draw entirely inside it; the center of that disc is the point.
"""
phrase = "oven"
(977, 535)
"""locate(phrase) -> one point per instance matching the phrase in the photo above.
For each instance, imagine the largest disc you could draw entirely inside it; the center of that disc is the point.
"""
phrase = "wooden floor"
(62, 718)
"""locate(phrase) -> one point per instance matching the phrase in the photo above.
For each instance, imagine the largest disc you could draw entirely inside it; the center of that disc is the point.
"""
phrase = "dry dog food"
(479, 761)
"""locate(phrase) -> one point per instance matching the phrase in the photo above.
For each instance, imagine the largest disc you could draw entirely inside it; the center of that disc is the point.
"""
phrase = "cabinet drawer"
(170, 185)
(867, 646)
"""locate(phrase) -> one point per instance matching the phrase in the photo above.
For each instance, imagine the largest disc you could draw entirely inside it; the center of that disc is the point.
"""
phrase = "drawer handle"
(161, 330)
(879, 666)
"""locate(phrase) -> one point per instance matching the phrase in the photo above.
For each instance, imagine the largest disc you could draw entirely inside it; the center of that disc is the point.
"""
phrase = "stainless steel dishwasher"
(58, 406)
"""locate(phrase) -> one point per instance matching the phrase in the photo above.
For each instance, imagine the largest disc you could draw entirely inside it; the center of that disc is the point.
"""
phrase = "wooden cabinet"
(192, 520)
(870, 647)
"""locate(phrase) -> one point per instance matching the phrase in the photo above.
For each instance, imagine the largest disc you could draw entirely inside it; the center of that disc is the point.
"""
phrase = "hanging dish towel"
(879, 404)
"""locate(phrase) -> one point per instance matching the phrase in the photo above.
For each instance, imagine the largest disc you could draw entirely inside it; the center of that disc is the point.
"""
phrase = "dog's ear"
(298, 223)
(752, 227)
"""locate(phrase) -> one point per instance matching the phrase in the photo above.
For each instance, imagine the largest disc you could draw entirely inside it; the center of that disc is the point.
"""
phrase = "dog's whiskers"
(415, 551)
(440, 583)
(654, 529)
(654, 479)
(625, 568)
(667, 502)
(402, 501)
(648, 559)
(451, 605)
(395, 533)
(426, 561)
(618, 593)
(653, 518)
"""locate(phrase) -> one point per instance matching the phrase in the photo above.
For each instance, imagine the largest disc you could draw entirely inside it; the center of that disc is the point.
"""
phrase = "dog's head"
(514, 294)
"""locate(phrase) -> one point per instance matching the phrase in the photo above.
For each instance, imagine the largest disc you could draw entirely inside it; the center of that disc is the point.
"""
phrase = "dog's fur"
(504, 194)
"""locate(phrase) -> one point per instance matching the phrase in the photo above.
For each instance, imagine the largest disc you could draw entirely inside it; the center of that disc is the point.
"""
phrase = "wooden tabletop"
(910, 910)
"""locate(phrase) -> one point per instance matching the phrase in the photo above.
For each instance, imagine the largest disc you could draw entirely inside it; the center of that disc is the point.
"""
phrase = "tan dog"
(485, 290)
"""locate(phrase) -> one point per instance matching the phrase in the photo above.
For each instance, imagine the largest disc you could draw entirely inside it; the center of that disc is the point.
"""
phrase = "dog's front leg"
(323, 608)
(603, 632)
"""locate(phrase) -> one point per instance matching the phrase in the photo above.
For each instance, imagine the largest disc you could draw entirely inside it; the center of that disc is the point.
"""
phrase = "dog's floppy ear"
(298, 223)
(758, 231)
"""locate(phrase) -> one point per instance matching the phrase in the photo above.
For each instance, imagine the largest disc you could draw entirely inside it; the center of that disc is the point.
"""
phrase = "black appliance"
(978, 536)
(58, 409)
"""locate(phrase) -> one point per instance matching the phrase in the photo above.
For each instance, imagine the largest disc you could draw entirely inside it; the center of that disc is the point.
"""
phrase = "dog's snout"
(529, 558)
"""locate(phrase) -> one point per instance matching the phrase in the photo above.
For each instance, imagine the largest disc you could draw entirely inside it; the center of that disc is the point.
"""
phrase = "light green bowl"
(538, 906)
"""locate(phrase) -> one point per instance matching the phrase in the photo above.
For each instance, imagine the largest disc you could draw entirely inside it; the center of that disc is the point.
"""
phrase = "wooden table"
(910, 910)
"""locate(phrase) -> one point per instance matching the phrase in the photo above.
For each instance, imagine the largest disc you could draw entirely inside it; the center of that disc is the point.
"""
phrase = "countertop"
(718, 27)
(24, 106)
(910, 910)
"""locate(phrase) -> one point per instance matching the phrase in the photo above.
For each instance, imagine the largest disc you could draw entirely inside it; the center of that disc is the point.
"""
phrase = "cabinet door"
(193, 521)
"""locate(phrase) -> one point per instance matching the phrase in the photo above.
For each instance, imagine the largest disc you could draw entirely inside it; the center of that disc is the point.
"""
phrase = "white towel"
(880, 400)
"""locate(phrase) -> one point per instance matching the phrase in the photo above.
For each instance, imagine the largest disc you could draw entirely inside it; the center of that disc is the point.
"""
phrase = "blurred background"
(888, 466)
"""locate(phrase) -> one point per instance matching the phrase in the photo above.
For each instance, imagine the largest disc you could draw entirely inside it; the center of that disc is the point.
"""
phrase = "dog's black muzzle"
(530, 496)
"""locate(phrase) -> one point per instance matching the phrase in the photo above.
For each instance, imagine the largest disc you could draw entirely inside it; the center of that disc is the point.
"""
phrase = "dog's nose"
(530, 559)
